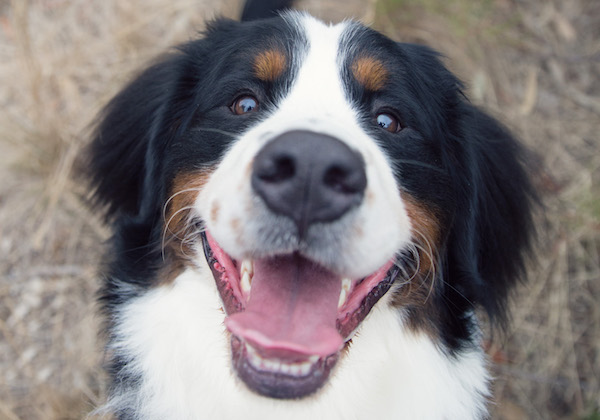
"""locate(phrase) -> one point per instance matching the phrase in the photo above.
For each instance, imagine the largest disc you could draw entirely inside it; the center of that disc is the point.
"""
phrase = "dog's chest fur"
(389, 372)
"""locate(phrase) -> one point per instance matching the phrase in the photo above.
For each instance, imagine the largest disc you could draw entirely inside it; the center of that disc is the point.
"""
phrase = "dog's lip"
(311, 350)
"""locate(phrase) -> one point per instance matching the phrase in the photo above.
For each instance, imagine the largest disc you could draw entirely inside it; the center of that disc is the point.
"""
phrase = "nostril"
(335, 178)
(277, 169)
(345, 180)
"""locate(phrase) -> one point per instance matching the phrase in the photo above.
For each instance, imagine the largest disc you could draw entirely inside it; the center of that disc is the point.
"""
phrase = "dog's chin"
(289, 317)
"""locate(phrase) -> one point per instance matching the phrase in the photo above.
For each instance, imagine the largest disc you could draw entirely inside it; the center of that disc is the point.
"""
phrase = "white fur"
(176, 336)
(316, 102)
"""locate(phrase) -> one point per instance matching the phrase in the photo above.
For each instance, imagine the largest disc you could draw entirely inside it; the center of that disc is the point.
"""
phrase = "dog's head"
(318, 172)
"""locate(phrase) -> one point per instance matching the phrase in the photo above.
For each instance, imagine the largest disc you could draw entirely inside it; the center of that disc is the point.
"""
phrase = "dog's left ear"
(123, 161)
(119, 157)
(493, 227)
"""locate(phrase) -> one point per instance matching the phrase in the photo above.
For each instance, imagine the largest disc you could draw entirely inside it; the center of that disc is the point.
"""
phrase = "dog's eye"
(244, 105)
(388, 122)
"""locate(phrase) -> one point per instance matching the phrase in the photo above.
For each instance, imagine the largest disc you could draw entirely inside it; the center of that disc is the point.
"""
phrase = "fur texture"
(443, 221)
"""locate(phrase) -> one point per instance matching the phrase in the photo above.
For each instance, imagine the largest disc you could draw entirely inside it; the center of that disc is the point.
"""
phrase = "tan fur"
(370, 72)
(270, 65)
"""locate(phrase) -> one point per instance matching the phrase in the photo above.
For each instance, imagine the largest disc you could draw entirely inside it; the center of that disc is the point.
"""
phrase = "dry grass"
(535, 64)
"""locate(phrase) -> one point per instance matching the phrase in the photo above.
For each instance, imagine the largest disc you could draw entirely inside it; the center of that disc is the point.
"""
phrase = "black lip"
(280, 385)
(230, 301)
(210, 258)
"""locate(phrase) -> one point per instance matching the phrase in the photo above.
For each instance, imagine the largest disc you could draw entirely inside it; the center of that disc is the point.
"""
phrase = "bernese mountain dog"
(308, 220)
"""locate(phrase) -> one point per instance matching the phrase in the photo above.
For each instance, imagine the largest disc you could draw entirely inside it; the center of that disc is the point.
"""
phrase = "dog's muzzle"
(289, 315)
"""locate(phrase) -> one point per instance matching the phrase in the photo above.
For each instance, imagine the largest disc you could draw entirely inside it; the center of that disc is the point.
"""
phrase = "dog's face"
(316, 171)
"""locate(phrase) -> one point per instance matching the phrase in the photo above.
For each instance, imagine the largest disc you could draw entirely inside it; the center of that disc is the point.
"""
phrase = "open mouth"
(289, 317)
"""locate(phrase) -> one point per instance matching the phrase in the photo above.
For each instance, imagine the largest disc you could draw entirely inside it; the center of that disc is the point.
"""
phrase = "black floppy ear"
(124, 160)
(493, 225)
(121, 160)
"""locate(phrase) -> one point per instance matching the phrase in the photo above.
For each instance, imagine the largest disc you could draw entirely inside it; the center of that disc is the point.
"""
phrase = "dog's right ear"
(119, 158)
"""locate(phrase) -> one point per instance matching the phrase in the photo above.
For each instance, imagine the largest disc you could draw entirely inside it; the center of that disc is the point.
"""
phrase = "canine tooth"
(248, 266)
(313, 359)
(245, 282)
(346, 286)
(249, 349)
(342, 299)
(255, 360)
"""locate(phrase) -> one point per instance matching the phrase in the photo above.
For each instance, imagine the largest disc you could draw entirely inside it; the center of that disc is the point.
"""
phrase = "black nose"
(309, 177)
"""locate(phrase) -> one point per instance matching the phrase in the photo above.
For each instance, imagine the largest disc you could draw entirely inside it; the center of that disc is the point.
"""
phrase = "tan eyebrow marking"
(370, 72)
(269, 65)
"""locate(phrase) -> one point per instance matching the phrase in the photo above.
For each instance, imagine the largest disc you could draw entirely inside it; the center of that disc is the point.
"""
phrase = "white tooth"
(342, 299)
(245, 282)
(248, 265)
(346, 286)
(304, 368)
(249, 348)
(278, 366)
(254, 360)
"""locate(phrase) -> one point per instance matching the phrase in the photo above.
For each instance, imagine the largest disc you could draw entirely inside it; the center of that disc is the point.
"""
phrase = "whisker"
(417, 163)
(408, 262)
(410, 258)
(164, 212)
(216, 130)
(167, 228)
(459, 293)
(430, 253)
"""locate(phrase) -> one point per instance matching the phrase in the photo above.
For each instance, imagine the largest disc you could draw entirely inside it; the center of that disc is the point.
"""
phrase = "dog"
(308, 220)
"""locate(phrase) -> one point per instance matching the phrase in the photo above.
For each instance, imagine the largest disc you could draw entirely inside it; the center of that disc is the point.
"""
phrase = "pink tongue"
(292, 309)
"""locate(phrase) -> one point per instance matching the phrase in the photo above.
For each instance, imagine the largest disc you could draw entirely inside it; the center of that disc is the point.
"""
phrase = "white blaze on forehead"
(317, 100)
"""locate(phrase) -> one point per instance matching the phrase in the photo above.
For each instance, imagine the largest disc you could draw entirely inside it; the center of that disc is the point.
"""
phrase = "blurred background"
(534, 64)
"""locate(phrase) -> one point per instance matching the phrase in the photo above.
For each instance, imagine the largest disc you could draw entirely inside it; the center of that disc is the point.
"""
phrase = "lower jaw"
(280, 379)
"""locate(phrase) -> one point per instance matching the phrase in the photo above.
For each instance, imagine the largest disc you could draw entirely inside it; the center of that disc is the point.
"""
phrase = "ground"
(534, 64)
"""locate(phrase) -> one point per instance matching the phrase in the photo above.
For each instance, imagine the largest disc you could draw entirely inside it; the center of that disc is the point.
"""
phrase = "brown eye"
(244, 105)
(388, 122)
